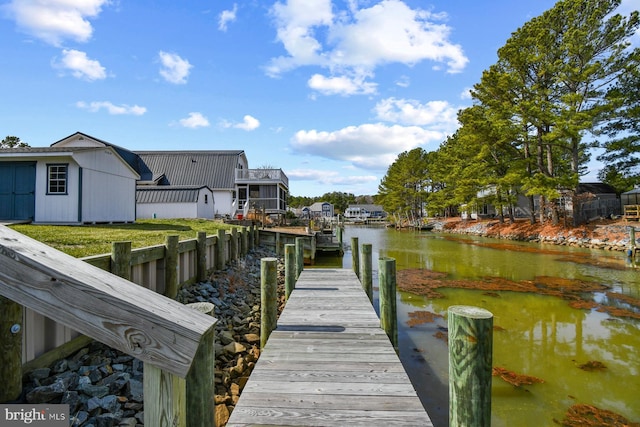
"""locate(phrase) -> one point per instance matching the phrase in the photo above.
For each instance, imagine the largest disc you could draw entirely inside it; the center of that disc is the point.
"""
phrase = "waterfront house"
(364, 211)
(320, 210)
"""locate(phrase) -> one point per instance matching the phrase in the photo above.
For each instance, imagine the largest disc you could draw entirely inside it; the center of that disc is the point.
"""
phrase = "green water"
(541, 335)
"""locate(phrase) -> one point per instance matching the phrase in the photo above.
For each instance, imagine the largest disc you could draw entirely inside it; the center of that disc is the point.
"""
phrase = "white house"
(66, 184)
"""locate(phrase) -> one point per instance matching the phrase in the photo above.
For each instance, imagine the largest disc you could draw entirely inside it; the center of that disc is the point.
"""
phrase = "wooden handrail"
(107, 308)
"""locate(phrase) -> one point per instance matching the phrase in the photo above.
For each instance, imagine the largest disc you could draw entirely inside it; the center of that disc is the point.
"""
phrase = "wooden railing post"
(277, 248)
(11, 346)
(121, 259)
(299, 255)
(289, 269)
(355, 256)
(220, 250)
(233, 245)
(201, 386)
(387, 285)
(171, 266)
(367, 267)
(470, 354)
(201, 256)
(268, 298)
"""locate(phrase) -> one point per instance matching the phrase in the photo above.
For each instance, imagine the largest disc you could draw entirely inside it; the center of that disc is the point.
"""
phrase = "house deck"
(328, 363)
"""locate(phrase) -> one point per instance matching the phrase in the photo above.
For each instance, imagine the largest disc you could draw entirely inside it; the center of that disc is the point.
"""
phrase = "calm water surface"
(542, 336)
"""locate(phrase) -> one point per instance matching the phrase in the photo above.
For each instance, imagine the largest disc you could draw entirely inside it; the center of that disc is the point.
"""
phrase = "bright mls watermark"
(34, 415)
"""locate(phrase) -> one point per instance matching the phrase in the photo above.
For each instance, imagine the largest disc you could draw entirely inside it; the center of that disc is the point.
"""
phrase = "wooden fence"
(162, 269)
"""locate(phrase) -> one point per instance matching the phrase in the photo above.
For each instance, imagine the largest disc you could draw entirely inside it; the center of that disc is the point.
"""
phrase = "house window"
(57, 179)
(206, 199)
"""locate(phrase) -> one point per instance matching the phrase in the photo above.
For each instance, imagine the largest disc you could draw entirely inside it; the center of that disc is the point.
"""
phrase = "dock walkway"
(328, 363)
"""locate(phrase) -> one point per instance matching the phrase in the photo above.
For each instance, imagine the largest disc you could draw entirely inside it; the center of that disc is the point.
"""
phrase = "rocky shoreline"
(104, 387)
(605, 235)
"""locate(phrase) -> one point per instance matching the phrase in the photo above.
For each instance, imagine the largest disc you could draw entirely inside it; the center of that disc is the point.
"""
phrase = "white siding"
(167, 210)
(223, 203)
(57, 208)
(205, 210)
(109, 188)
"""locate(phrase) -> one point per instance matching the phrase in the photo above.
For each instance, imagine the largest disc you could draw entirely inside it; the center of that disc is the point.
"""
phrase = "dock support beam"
(366, 277)
(355, 256)
(470, 354)
(289, 269)
(171, 279)
(388, 317)
(268, 298)
(299, 255)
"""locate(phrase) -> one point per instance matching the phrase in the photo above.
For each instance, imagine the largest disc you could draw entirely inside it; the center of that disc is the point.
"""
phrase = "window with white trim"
(57, 178)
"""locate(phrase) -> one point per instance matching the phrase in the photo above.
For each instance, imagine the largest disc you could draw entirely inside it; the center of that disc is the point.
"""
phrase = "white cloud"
(359, 40)
(435, 114)
(329, 177)
(403, 81)
(94, 107)
(341, 85)
(54, 21)
(174, 68)
(195, 120)
(248, 123)
(369, 146)
(80, 65)
(466, 93)
(227, 16)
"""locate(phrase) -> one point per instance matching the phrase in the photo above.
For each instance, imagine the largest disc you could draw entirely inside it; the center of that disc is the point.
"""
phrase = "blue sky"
(329, 91)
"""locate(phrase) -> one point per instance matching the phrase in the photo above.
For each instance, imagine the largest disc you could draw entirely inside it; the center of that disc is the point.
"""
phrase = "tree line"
(566, 82)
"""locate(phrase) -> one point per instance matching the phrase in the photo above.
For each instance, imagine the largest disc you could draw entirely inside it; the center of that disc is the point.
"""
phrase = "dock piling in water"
(388, 311)
(470, 360)
(268, 298)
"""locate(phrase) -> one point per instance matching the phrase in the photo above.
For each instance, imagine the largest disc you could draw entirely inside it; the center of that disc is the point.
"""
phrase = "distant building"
(320, 210)
(364, 211)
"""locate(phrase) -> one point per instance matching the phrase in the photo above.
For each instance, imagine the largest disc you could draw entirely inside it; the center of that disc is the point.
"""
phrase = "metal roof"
(215, 169)
(168, 194)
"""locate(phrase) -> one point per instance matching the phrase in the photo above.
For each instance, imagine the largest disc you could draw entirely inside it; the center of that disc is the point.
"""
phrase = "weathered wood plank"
(328, 363)
(110, 309)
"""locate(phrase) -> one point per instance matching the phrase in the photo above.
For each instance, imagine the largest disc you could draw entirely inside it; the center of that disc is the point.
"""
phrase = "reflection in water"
(535, 335)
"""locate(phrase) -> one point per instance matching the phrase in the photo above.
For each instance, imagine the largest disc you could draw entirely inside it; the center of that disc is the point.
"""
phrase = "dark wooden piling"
(366, 276)
(355, 256)
(201, 256)
(470, 359)
(289, 269)
(387, 285)
(10, 350)
(299, 255)
(221, 243)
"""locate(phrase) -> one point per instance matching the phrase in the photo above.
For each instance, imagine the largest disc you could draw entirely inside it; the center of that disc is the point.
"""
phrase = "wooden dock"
(328, 363)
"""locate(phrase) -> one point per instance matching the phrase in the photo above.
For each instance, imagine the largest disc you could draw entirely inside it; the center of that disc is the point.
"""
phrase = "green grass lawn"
(85, 240)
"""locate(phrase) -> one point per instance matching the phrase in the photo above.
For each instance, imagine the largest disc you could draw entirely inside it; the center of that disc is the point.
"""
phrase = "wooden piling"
(171, 266)
(201, 256)
(387, 285)
(244, 242)
(121, 259)
(268, 298)
(470, 360)
(289, 268)
(10, 350)
(233, 245)
(220, 250)
(299, 255)
(355, 256)
(366, 276)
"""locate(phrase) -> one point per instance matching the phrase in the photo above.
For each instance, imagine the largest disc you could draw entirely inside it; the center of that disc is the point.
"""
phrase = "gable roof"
(596, 188)
(168, 193)
(215, 169)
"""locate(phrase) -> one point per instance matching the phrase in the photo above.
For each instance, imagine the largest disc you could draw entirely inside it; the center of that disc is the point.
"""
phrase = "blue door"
(17, 190)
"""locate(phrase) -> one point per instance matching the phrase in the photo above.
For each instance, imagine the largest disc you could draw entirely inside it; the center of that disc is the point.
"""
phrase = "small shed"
(630, 197)
(169, 201)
